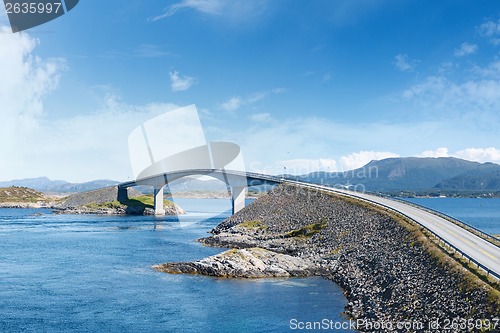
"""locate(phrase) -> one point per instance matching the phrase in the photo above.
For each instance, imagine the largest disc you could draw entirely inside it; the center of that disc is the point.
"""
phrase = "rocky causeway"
(386, 269)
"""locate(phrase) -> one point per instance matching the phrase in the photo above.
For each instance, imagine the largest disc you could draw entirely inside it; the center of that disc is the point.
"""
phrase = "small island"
(101, 201)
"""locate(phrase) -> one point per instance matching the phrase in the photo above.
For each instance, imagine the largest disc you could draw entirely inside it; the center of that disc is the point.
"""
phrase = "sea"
(90, 273)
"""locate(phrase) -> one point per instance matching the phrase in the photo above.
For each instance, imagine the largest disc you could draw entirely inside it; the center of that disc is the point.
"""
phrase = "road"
(474, 246)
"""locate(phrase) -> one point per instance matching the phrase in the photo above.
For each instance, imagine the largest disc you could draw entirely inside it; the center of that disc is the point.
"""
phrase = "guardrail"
(456, 221)
(274, 179)
(456, 249)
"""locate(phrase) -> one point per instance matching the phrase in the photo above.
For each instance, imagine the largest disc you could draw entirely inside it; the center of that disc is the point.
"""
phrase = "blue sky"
(306, 85)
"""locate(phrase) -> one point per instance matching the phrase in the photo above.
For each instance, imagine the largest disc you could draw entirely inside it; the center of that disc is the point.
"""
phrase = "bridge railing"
(274, 179)
(450, 245)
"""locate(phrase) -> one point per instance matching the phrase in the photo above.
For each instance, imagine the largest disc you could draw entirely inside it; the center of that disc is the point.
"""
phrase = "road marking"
(465, 240)
(489, 255)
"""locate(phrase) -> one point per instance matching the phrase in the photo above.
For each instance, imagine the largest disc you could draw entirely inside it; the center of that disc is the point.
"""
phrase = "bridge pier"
(122, 194)
(158, 201)
(237, 182)
(237, 198)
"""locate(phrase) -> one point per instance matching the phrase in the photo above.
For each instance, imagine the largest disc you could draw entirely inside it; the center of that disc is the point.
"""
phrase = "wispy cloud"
(151, 51)
(310, 138)
(438, 95)
(234, 9)
(180, 83)
(491, 71)
(403, 63)
(236, 102)
(491, 29)
(212, 7)
(232, 104)
(141, 51)
(62, 148)
(466, 49)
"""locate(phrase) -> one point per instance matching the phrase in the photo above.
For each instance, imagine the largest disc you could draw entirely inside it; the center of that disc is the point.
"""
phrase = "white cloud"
(477, 99)
(25, 80)
(439, 152)
(360, 159)
(466, 49)
(236, 102)
(178, 83)
(79, 148)
(404, 63)
(489, 154)
(491, 71)
(232, 104)
(491, 29)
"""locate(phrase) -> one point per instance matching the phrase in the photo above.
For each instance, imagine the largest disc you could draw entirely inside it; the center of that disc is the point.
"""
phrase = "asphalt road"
(474, 246)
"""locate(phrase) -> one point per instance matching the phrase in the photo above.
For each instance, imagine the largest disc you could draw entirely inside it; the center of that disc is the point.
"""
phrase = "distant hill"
(20, 194)
(415, 174)
(44, 184)
(483, 179)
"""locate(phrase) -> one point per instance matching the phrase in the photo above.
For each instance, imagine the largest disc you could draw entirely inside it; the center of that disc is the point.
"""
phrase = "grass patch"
(308, 230)
(254, 224)
(113, 204)
(143, 201)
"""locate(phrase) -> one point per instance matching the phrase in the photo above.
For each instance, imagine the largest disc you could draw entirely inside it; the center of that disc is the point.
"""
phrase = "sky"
(304, 85)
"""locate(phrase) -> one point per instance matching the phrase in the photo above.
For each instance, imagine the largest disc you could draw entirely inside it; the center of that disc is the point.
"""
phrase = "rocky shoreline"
(14, 204)
(244, 263)
(103, 201)
(385, 270)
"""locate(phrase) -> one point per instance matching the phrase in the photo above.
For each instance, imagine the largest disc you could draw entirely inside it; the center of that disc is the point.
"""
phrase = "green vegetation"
(143, 201)
(308, 230)
(20, 194)
(255, 224)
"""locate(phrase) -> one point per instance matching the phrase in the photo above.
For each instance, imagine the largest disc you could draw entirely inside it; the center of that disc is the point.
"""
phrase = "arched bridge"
(237, 182)
(480, 250)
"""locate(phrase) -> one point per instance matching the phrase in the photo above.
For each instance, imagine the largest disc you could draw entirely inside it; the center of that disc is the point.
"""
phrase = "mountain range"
(414, 174)
(391, 175)
(46, 185)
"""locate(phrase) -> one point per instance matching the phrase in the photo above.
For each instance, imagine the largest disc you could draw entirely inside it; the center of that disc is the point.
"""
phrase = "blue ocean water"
(483, 214)
(83, 273)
